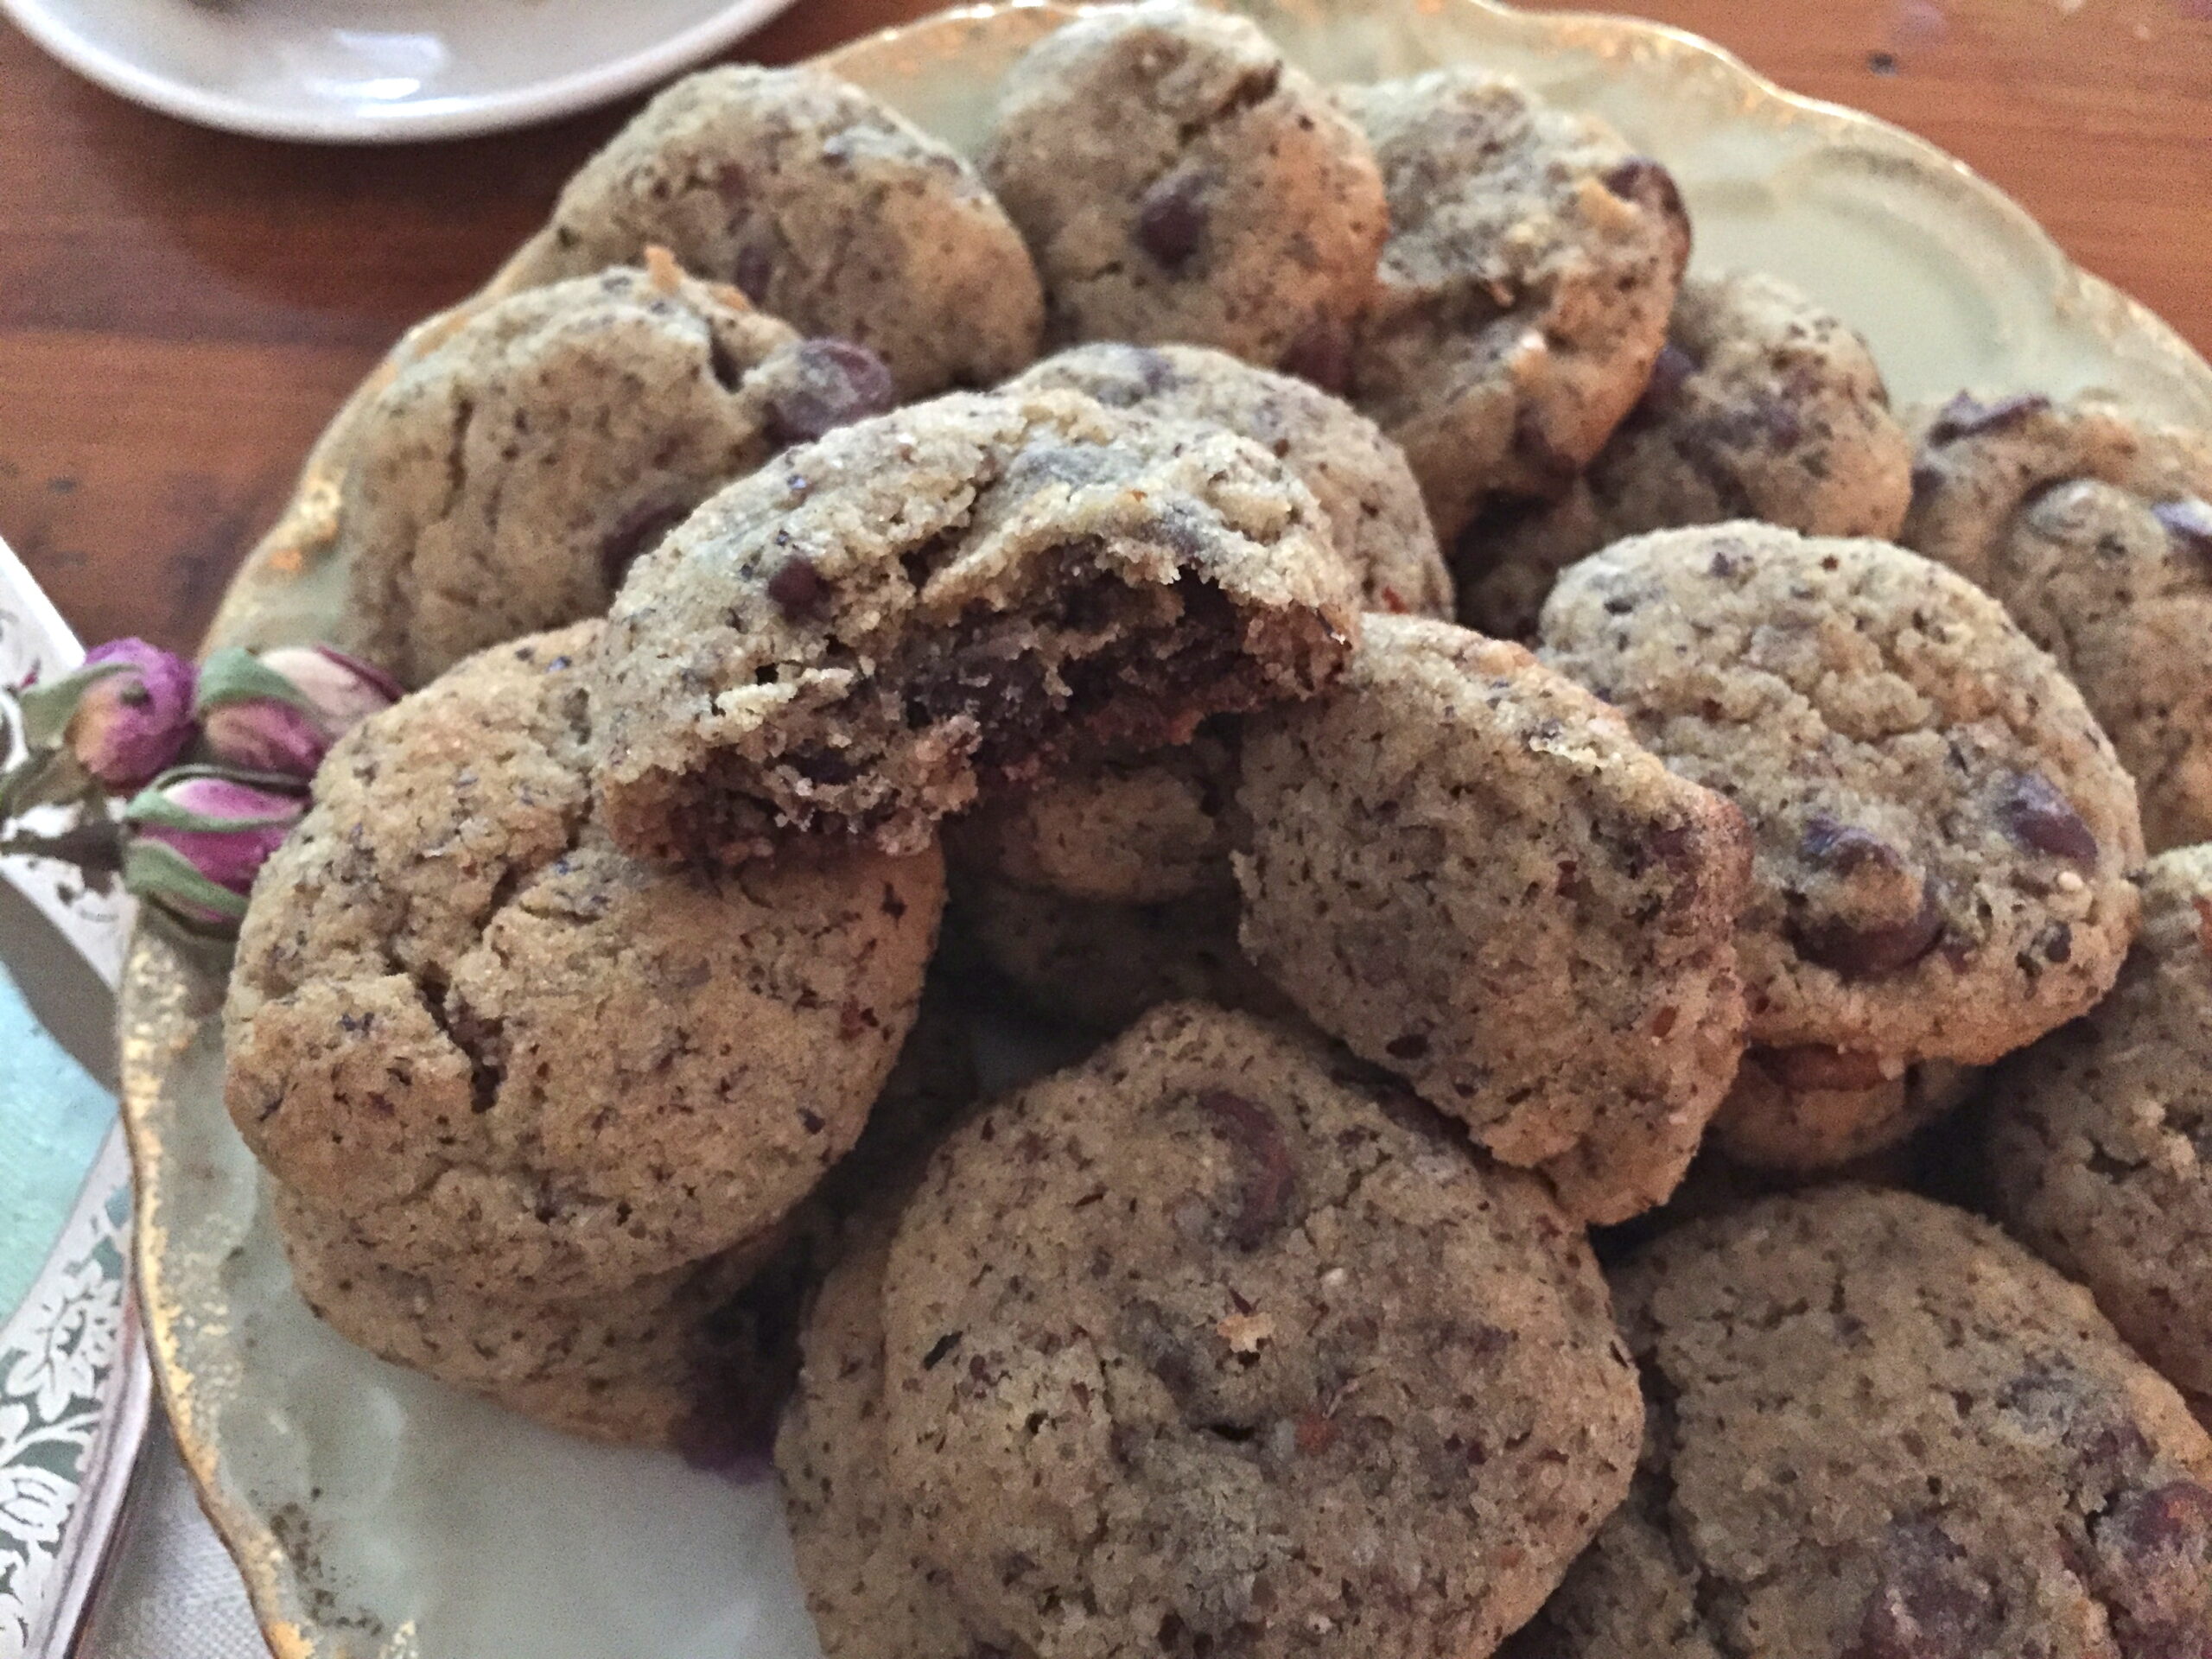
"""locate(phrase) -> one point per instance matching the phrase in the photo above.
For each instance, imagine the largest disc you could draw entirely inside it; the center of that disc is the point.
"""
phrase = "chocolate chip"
(1413, 1045)
(2154, 1547)
(797, 587)
(1928, 1604)
(1778, 423)
(2188, 522)
(1321, 355)
(1162, 1344)
(637, 533)
(1172, 219)
(1845, 847)
(1966, 416)
(753, 270)
(2176, 1517)
(1554, 466)
(2053, 1400)
(834, 383)
(1252, 1129)
(820, 765)
(1670, 371)
(1645, 181)
(2044, 821)
(1867, 951)
(940, 1349)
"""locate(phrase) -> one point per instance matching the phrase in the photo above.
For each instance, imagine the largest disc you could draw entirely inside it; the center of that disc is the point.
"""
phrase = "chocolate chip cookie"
(1944, 835)
(1879, 1428)
(1099, 963)
(1141, 830)
(1178, 180)
(1762, 404)
(700, 1358)
(633, 1364)
(829, 208)
(1208, 1345)
(1524, 291)
(2100, 1136)
(872, 1593)
(1464, 867)
(946, 602)
(1816, 1108)
(504, 481)
(1360, 478)
(2096, 530)
(507, 1053)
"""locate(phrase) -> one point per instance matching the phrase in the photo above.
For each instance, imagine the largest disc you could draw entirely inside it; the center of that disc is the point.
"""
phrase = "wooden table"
(181, 310)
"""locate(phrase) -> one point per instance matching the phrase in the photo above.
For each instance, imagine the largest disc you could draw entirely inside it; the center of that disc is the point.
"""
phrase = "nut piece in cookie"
(829, 208)
(1882, 1430)
(506, 480)
(1532, 264)
(1176, 180)
(507, 1053)
(1763, 404)
(2100, 1135)
(2094, 528)
(1210, 1345)
(946, 602)
(1944, 835)
(1466, 868)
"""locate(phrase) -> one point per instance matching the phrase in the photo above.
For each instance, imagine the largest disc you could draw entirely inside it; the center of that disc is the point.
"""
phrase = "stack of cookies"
(1297, 589)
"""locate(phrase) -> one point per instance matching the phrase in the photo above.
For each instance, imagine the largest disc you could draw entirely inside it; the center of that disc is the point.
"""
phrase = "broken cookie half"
(926, 607)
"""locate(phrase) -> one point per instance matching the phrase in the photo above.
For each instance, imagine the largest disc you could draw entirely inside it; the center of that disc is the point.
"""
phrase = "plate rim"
(49, 27)
(163, 1013)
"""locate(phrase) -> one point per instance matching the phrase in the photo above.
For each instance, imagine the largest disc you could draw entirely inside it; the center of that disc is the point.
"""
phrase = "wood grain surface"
(181, 310)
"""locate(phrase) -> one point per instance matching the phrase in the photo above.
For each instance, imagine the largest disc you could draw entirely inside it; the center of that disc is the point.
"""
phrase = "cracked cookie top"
(1216, 1344)
(505, 482)
(825, 206)
(1177, 180)
(1944, 837)
(1881, 1430)
(2094, 528)
(2100, 1135)
(946, 602)
(511, 1055)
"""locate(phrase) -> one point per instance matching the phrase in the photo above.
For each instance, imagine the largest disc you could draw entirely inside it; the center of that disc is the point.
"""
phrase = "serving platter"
(376, 1512)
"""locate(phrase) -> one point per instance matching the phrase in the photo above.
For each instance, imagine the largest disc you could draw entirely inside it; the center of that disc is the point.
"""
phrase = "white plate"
(381, 70)
(376, 1512)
